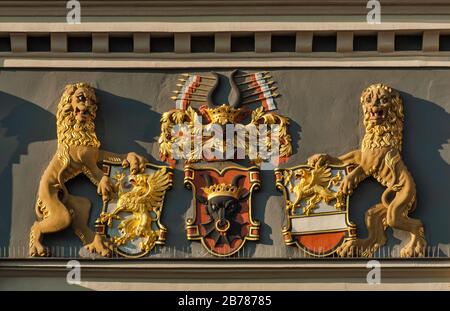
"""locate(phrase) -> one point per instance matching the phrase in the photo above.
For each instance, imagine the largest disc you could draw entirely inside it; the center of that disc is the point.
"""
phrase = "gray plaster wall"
(323, 105)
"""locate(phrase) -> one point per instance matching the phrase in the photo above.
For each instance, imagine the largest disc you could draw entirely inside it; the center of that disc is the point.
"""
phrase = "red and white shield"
(316, 211)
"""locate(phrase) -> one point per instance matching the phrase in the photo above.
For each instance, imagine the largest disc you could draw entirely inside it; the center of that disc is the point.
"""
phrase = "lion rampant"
(77, 152)
(380, 158)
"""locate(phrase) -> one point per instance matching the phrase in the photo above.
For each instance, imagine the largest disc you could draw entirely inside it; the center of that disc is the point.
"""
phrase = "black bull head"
(223, 209)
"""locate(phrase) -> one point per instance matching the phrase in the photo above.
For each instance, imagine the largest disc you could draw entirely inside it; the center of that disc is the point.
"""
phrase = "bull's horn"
(236, 179)
(208, 180)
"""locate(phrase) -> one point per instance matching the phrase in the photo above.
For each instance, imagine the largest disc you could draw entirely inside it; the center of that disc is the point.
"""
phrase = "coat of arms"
(131, 220)
(245, 128)
(316, 210)
(222, 213)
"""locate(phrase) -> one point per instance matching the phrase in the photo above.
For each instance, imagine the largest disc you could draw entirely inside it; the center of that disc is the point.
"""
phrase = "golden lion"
(78, 152)
(380, 158)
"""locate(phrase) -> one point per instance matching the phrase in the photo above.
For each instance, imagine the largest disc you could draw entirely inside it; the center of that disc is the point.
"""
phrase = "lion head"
(383, 117)
(75, 116)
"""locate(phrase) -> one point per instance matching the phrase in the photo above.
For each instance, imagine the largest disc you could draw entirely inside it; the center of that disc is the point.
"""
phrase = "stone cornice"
(434, 270)
(222, 7)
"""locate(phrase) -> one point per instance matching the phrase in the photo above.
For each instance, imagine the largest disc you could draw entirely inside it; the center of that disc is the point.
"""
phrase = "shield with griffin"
(222, 207)
(316, 211)
(130, 221)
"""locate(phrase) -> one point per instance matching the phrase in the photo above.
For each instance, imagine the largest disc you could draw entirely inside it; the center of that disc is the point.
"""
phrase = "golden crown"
(223, 114)
(222, 190)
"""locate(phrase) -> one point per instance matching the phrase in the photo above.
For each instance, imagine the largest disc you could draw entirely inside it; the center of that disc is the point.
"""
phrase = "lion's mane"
(390, 133)
(69, 132)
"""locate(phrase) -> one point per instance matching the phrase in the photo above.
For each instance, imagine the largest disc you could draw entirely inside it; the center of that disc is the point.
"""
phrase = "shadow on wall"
(124, 125)
(295, 131)
(21, 123)
(427, 130)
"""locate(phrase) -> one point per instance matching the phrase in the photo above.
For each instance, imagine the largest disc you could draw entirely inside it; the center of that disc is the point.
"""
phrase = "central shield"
(316, 210)
(222, 207)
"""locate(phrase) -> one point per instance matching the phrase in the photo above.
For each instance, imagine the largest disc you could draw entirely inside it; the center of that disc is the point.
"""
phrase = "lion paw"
(97, 246)
(357, 248)
(415, 248)
(38, 250)
(348, 184)
(318, 159)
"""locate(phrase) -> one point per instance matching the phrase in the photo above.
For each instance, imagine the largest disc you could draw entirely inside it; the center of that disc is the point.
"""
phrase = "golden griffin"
(137, 208)
(313, 184)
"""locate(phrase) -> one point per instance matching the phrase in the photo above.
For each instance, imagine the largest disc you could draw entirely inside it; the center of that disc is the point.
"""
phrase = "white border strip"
(225, 63)
(303, 225)
(219, 26)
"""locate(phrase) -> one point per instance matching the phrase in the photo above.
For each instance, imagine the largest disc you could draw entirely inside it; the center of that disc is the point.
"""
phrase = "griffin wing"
(320, 175)
(158, 183)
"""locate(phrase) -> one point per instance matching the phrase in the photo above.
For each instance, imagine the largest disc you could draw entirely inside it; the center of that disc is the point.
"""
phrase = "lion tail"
(412, 204)
(386, 201)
